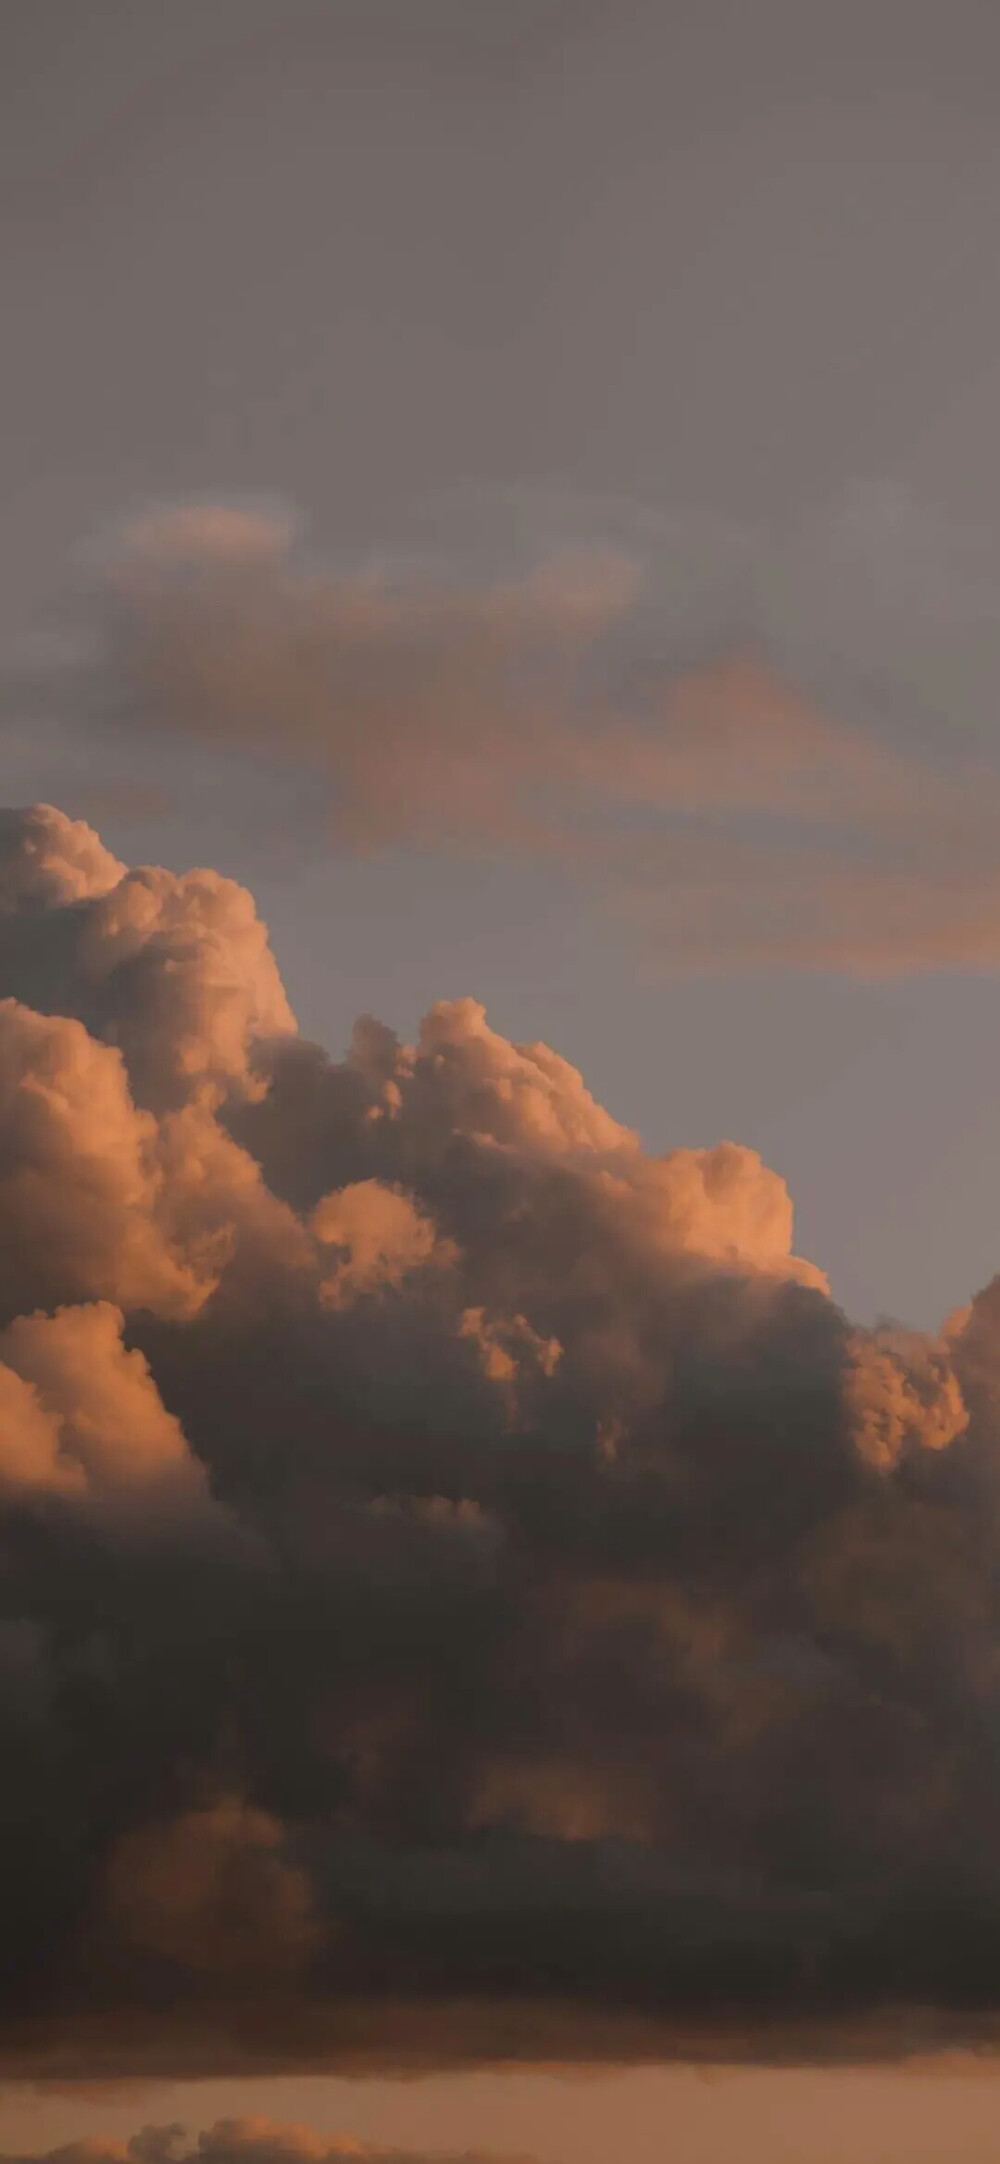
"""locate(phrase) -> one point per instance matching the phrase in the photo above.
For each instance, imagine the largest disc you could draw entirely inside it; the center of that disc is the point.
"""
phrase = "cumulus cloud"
(82, 1187)
(209, 1896)
(176, 971)
(903, 1390)
(82, 1419)
(791, 793)
(47, 860)
(465, 1589)
(248, 2141)
(375, 1236)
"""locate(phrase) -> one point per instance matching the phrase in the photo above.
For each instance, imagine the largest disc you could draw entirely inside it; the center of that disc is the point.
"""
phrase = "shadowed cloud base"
(466, 1591)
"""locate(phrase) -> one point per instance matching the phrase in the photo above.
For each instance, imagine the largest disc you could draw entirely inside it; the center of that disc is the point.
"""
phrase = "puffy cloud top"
(176, 971)
(460, 1575)
(82, 1419)
(47, 860)
(248, 2141)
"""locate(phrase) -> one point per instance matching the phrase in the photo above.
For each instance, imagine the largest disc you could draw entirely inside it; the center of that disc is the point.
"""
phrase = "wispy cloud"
(783, 786)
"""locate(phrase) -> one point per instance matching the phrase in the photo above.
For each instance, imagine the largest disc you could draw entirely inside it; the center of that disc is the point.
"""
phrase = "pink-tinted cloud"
(735, 812)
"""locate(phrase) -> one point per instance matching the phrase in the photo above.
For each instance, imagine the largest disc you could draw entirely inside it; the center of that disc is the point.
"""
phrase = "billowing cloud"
(375, 1236)
(82, 1187)
(210, 1895)
(82, 1420)
(248, 2141)
(176, 972)
(789, 794)
(465, 1589)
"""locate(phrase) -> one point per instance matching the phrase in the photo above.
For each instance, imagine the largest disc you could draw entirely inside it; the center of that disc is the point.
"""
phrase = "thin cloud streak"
(746, 800)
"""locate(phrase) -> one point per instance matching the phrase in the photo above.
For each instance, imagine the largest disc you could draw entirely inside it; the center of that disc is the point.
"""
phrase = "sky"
(515, 489)
(707, 271)
(921, 2115)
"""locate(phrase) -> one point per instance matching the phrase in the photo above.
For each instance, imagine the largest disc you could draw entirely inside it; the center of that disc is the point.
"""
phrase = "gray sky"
(471, 279)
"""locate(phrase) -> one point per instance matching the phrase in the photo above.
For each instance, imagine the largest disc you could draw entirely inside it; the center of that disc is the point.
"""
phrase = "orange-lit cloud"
(465, 1589)
(249, 2141)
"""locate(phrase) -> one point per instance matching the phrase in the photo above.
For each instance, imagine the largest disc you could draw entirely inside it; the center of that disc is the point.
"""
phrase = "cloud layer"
(789, 793)
(465, 1589)
(247, 2141)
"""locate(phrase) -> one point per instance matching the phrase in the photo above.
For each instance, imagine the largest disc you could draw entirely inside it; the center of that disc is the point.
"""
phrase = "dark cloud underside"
(465, 1589)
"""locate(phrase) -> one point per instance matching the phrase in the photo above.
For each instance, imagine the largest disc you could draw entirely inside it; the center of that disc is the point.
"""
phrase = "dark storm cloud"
(465, 1590)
